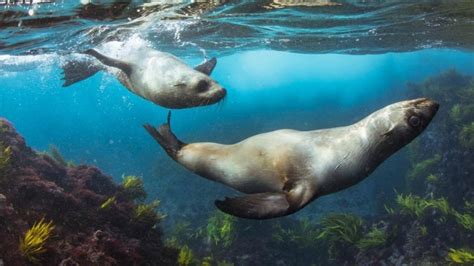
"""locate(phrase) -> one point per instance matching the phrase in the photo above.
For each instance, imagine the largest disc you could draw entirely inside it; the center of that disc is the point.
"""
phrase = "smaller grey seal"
(156, 76)
(284, 170)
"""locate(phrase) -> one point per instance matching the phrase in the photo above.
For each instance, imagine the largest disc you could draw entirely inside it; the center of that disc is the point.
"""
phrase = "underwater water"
(300, 65)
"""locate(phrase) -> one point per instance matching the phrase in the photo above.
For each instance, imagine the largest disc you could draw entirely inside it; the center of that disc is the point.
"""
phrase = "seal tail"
(75, 71)
(165, 137)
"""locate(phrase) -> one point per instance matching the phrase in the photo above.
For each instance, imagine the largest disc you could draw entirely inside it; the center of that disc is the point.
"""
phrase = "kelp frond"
(465, 220)
(32, 244)
(5, 156)
(185, 256)
(466, 136)
(416, 206)
(133, 187)
(374, 238)
(341, 228)
(432, 179)
(461, 256)
(147, 213)
(303, 235)
(58, 157)
(221, 229)
(108, 203)
(422, 167)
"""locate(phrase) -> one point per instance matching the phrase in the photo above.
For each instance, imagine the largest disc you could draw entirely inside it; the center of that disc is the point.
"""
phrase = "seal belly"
(251, 166)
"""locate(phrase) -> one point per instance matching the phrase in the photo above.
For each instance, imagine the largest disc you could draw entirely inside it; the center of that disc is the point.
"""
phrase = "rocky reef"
(55, 213)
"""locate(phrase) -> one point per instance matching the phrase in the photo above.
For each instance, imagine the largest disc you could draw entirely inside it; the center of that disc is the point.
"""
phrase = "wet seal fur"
(284, 170)
(156, 76)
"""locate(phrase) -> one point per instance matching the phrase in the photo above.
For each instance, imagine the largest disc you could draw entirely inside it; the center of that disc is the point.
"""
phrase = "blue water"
(99, 122)
(300, 67)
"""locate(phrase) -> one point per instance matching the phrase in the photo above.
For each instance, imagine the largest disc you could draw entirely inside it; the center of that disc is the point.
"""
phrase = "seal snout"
(220, 94)
(426, 108)
(425, 103)
(223, 93)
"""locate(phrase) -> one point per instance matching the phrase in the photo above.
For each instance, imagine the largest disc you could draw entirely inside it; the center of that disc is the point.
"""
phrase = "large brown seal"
(284, 170)
(156, 76)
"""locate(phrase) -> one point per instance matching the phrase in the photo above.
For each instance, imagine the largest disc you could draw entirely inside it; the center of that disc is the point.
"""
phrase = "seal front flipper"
(207, 66)
(295, 195)
(75, 71)
(165, 137)
(256, 206)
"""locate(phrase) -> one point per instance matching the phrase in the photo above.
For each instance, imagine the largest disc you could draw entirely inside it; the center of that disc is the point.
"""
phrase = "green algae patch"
(32, 244)
(133, 187)
(374, 238)
(466, 136)
(460, 256)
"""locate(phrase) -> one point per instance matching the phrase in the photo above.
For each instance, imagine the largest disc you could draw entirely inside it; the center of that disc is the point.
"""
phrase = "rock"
(84, 234)
(3, 202)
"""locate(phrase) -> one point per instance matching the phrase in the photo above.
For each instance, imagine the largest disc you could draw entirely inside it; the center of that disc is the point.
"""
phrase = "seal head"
(397, 124)
(188, 88)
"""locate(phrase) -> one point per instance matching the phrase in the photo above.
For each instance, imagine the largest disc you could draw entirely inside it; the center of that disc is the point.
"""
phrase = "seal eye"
(414, 121)
(202, 86)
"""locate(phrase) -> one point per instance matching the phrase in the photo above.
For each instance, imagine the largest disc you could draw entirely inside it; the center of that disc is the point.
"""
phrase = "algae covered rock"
(39, 194)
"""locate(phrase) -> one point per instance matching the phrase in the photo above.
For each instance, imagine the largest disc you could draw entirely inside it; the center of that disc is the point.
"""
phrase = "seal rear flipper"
(256, 206)
(207, 66)
(75, 71)
(124, 66)
(165, 137)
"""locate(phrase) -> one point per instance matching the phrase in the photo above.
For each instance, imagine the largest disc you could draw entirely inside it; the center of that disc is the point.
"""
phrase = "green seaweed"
(185, 256)
(182, 233)
(422, 167)
(456, 113)
(4, 127)
(465, 220)
(417, 206)
(466, 136)
(5, 156)
(221, 229)
(303, 235)
(461, 113)
(460, 256)
(57, 156)
(423, 230)
(133, 187)
(433, 179)
(147, 213)
(469, 206)
(207, 261)
(374, 238)
(388, 209)
(339, 231)
(341, 228)
(107, 203)
(32, 244)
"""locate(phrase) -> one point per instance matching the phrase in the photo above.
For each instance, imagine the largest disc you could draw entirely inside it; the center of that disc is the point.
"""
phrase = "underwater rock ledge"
(36, 190)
